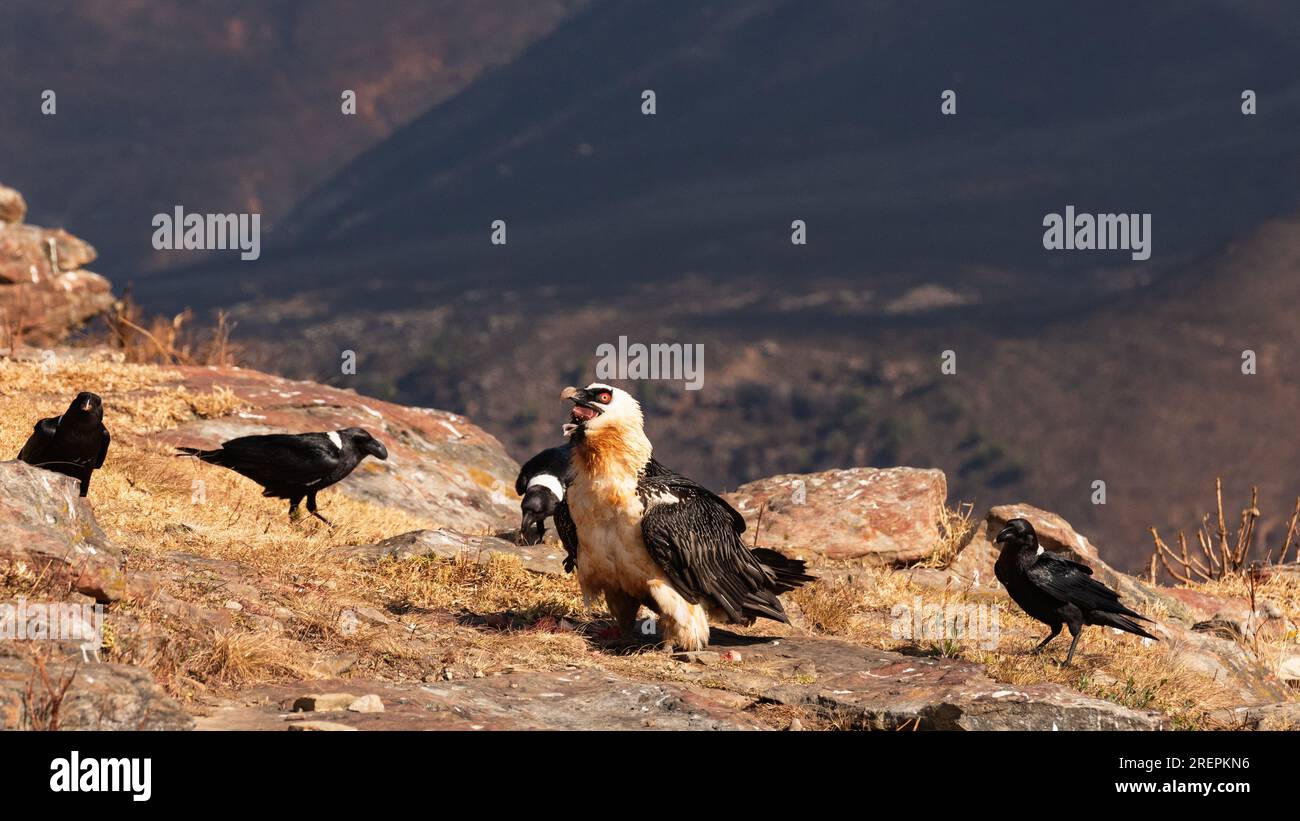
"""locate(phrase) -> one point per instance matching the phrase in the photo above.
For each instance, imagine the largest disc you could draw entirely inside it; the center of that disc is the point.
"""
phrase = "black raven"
(542, 482)
(73, 444)
(1057, 591)
(294, 466)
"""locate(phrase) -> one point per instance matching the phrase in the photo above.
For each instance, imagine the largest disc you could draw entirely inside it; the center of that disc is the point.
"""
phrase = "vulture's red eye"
(605, 397)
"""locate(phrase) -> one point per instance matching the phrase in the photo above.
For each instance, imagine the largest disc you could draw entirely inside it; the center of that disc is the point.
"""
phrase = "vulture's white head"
(600, 411)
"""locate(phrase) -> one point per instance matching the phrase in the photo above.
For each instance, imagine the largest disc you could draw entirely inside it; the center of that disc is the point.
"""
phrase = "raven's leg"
(294, 514)
(311, 508)
(1056, 631)
(1076, 630)
(85, 483)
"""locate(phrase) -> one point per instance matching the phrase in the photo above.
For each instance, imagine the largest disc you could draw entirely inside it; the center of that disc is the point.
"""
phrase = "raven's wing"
(33, 451)
(694, 537)
(103, 448)
(279, 459)
(1072, 582)
(568, 535)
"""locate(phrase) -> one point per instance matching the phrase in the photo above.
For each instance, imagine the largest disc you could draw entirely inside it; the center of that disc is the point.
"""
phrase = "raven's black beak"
(378, 450)
(1005, 534)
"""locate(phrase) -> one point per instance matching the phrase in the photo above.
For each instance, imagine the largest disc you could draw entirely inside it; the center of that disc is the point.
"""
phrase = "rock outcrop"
(877, 516)
(45, 291)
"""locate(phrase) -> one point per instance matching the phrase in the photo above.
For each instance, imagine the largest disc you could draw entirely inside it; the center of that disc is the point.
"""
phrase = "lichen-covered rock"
(878, 516)
(99, 697)
(48, 528)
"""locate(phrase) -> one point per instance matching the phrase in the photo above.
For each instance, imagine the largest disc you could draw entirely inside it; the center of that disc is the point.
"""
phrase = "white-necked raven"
(1057, 591)
(295, 466)
(542, 482)
(74, 444)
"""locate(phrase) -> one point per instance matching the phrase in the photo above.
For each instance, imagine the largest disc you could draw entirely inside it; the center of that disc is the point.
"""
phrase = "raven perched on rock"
(294, 466)
(73, 444)
(1057, 591)
(542, 482)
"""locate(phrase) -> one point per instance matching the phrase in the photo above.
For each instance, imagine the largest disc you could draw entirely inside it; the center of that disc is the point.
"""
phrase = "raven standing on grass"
(73, 444)
(1057, 591)
(294, 466)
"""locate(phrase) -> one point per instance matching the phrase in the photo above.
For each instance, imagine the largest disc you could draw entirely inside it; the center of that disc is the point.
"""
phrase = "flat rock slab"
(440, 465)
(878, 516)
(865, 688)
(579, 700)
(100, 697)
(449, 544)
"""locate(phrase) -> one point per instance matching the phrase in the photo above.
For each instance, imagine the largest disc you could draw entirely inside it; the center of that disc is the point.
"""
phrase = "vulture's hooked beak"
(583, 409)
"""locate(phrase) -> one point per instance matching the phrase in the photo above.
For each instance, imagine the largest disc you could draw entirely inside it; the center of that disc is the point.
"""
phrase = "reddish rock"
(878, 516)
(44, 291)
(13, 208)
(46, 526)
(440, 466)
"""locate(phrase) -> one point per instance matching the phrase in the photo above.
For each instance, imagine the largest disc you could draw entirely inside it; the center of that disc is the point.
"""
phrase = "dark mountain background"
(924, 231)
(225, 105)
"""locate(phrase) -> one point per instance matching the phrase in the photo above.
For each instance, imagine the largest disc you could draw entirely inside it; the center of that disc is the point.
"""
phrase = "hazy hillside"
(223, 106)
(773, 110)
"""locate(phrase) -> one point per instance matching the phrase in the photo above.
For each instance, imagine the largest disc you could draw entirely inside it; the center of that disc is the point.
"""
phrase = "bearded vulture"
(644, 535)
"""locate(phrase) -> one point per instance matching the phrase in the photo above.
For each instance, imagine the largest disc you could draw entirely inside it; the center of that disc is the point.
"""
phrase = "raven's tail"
(789, 573)
(1122, 622)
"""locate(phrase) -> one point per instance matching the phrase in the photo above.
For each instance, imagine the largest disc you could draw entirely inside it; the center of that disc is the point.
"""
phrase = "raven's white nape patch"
(336, 439)
(550, 482)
